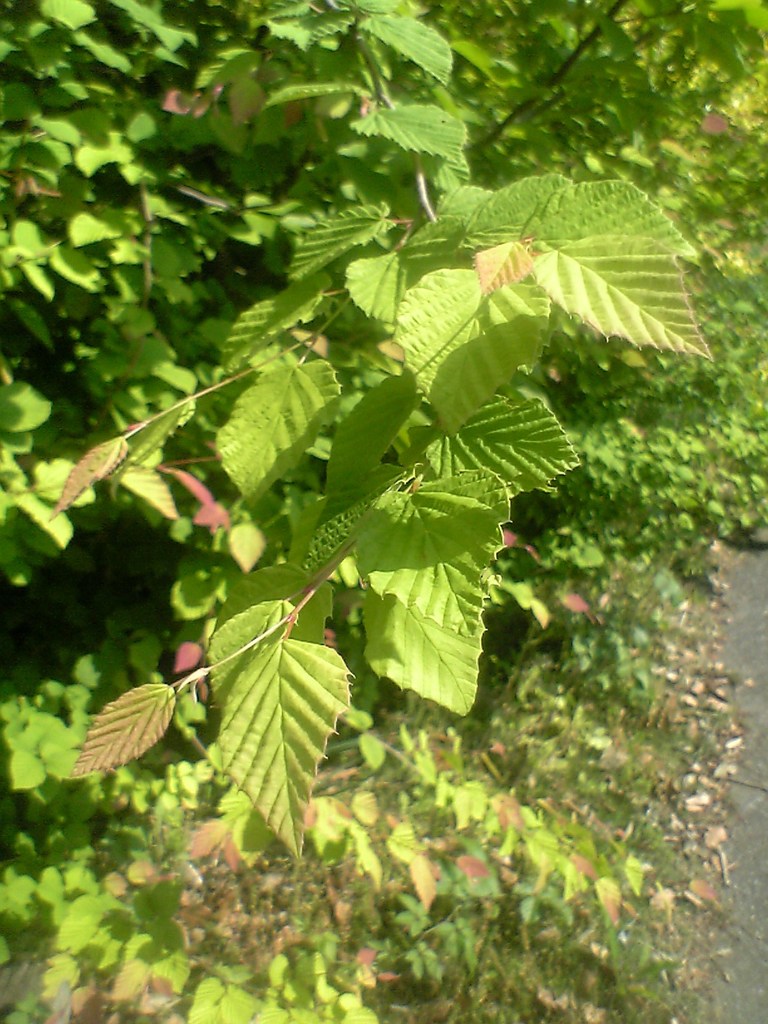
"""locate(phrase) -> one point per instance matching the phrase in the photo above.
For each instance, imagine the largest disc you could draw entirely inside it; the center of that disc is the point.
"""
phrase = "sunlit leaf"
(149, 485)
(630, 287)
(414, 40)
(126, 728)
(281, 699)
(274, 422)
(422, 873)
(419, 128)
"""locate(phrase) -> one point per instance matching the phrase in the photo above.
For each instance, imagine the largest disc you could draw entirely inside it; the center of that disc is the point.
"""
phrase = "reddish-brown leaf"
(126, 728)
(575, 603)
(472, 867)
(583, 866)
(188, 656)
(699, 887)
(96, 464)
(208, 838)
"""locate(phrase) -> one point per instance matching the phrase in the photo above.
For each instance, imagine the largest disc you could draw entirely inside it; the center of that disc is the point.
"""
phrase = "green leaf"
(435, 246)
(463, 346)
(281, 699)
(367, 433)
(219, 1003)
(26, 770)
(75, 267)
(257, 326)
(274, 422)
(418, 653)
(147, 17)
(84, 228)
(604, 208)
(246, 544)
(38, 278)
(332, 238)
(22, 407)
(435, 317)
(418, 128)
(96, 464)
(414, 40)
(520, 441)
(104, 53)
(149, 485)
(126, 728)
(90, 158)
(630, 287)
(504, 215)
(58, 529)
(428, 548)
(333, 522)
(150, 439)
(309, 90)
(377, 284)
(471, 374)
(72, 13)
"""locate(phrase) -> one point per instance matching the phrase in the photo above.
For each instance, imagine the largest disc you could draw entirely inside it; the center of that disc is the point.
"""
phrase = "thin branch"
(421, 188)
(149, 220)
(383, 96)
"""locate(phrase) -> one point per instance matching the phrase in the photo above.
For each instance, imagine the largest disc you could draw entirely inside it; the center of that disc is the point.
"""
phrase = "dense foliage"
(253, 284)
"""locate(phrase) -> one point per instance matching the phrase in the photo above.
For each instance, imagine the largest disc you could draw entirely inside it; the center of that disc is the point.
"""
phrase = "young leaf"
(422, 873)
(418, 128)
(274, 422)
(414, 40)
(519, 440)
(96, 464)
(126, 728)
(507, 263)
(281, 700)
(630, 287)
(333, 238)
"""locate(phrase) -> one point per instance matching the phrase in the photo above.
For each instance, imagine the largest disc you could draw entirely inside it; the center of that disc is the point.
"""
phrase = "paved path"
(741, 990)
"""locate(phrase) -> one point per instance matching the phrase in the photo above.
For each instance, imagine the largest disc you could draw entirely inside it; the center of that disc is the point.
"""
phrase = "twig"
(421, 188)
(384, 97)
(724, 867)
(149, 220)
(749, 785)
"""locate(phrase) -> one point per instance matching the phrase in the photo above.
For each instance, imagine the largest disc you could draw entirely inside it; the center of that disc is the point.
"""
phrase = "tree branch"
(524, 110)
